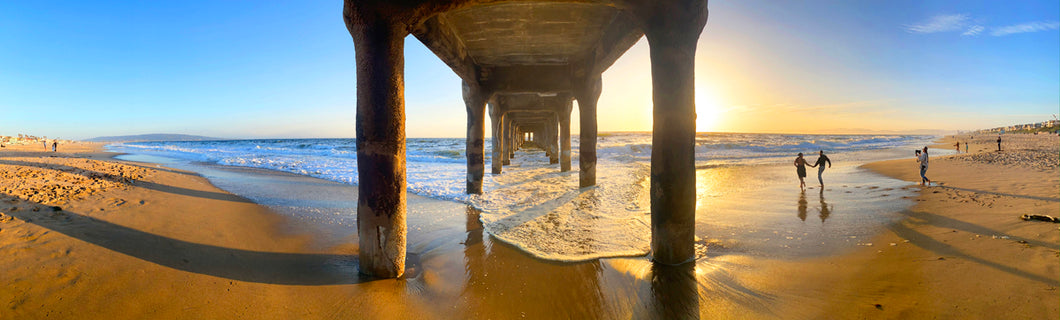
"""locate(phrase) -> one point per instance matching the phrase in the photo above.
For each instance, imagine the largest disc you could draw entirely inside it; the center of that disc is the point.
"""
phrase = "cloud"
(1025, 27)
(959, 22)
(940, 23)
(973, 30)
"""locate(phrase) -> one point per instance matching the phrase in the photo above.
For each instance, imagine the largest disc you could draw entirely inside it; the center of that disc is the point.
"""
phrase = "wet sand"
(156, 242)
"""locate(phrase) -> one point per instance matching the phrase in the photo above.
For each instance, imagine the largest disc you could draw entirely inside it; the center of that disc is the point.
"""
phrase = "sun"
(708, 110)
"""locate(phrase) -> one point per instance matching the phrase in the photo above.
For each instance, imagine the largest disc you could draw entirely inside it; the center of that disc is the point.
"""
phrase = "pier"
(524, 63)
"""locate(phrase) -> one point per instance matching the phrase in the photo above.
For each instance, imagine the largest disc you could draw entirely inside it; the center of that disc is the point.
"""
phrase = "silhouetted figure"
(966, 147)
(958, 146)
(923, 159)
(821, 160)
(800, 168)
(55, 144)
(998, 143)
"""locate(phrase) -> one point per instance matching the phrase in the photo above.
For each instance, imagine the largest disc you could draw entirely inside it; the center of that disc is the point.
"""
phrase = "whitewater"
(532, 205)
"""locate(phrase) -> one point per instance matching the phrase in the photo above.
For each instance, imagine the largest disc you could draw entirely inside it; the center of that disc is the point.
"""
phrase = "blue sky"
(74, 69)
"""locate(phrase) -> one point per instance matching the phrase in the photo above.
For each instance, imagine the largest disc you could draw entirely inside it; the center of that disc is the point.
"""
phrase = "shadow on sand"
(228, 263)
(139, 183)
(927, 242)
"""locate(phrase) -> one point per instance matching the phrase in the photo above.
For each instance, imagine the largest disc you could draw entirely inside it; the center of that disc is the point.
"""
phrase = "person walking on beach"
(55, 143)
(966, 147)
(820, 166)
(999, 143)
(958, 146)
(923, 160)
(800, 168)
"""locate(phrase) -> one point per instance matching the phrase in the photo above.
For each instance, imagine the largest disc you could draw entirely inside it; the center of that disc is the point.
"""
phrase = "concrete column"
(380, 132)
(588, 93)
(475, 103)
(506, 156)
(553, 138)
(514, 145)
(497, 121)
(564, 137)
(672, 29)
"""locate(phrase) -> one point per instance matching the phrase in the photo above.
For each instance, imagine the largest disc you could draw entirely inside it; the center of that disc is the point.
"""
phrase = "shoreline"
(189, 236)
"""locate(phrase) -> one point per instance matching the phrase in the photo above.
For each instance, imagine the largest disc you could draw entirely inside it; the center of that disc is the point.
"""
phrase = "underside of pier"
(523, 62)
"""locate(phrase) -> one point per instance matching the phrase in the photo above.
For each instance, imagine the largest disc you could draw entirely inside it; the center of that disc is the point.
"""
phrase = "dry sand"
(84, 236)
(969, 255)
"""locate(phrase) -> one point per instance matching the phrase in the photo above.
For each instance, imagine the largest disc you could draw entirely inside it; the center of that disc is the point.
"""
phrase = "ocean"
(748, 194)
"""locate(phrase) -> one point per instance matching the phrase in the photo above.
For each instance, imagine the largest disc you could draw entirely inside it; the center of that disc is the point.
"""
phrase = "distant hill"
(152, 137)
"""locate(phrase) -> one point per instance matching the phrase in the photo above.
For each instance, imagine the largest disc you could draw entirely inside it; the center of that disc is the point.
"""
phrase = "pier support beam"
(553, 138)
(564, 136)
(588, 93)
(497, 121)
(379, 45)
(672, 29)
(475, 102)
(508, 141)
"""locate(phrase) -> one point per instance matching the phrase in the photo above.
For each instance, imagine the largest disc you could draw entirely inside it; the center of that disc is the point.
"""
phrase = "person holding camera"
(922, 158)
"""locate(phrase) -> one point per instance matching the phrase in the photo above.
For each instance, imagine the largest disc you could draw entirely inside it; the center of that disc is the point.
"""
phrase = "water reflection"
(802, 205)
(674, 291)
(504, 282)
(825, 209)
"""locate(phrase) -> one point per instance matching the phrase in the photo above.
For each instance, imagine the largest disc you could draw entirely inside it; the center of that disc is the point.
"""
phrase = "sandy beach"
(85, 236)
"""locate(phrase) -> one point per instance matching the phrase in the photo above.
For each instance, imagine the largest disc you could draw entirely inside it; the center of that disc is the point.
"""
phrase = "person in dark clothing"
(923, 160)
(821, 160)
(55, 144)
(999, 143)
(800, 168)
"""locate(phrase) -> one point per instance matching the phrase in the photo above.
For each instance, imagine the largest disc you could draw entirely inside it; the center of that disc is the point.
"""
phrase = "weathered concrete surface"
(587, 92)
(379, 46)
(564, 136)
(672, 29)
(475, 103)
(497, 121)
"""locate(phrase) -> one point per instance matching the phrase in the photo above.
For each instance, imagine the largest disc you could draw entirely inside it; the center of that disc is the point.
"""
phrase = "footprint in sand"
(117, 202)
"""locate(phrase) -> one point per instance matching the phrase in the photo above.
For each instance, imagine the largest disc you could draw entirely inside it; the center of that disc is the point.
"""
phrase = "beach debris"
(893, 244)
(879, 306)
(1040, 217)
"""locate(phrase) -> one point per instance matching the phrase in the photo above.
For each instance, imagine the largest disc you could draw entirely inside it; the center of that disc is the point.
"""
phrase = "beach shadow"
(228, 263)
(950, 223)
(1002, 194)
(927, 242)
(138, 183)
